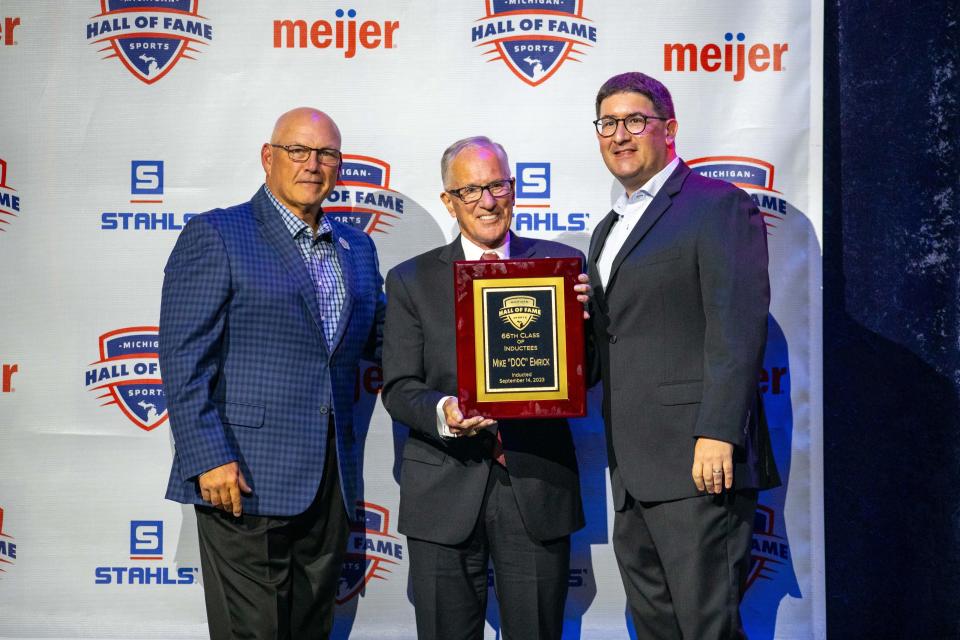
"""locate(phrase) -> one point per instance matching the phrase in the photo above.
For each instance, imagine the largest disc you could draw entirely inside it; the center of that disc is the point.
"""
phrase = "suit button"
(324, 410)
(613, 339)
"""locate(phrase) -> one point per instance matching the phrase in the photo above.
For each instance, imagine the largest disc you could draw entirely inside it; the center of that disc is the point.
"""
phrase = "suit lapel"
(452, 252)
(521, 247)
(599, 237)
(597, 241)
(655, 210)
(348, 268)
(278, 237)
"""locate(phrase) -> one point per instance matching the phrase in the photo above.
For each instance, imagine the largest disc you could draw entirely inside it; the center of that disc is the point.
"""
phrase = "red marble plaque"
(520, 344)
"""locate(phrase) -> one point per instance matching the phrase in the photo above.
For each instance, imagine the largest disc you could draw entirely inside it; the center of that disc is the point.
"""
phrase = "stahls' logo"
(128, 375)
(9, 200)
(533, 37)
(753, 176)
(149, 36)
(370, 550)
(363, 197)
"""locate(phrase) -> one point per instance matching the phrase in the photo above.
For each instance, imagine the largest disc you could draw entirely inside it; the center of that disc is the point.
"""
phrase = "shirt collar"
(295, 225)
(649, 190)
(473, 252)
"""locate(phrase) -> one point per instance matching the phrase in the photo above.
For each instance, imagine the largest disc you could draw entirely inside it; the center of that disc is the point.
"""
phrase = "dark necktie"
(498, 443)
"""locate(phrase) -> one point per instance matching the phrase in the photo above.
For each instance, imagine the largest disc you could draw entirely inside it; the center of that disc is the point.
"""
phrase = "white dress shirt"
(629, 210)
(470, 252)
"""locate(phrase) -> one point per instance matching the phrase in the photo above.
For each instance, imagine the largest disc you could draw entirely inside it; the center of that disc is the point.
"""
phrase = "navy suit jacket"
(246, 368)
(680, 330)
(442, 481)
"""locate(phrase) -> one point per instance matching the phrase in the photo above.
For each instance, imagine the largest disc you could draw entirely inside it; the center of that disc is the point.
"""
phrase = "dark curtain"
(892, 318)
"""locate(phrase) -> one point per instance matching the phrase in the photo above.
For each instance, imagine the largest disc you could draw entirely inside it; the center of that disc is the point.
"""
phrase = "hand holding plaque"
(520, 343)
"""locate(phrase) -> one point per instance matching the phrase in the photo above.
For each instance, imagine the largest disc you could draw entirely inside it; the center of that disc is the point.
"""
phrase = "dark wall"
(892, 318)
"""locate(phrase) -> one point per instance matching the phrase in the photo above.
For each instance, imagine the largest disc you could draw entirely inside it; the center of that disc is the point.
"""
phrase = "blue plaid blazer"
(246, 368)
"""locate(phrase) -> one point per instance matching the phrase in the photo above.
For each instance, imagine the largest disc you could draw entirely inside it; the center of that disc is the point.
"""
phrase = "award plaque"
(520, 345)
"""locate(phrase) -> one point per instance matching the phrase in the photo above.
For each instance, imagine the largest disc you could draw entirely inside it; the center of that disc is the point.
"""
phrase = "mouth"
(489, 217)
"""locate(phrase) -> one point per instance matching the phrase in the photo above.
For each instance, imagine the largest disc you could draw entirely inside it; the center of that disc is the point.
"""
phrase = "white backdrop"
(123, 117)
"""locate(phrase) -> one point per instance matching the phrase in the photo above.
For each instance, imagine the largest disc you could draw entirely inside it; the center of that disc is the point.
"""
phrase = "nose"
(312, 162)
(487, 201)
(621, 134)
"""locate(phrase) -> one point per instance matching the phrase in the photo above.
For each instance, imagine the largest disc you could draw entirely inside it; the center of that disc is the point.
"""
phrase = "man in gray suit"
(472, 489)
(680, 324)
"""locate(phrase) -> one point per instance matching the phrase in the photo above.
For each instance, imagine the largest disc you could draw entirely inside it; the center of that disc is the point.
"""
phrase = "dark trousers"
(684, 564)
(268, 577)
(530, 577)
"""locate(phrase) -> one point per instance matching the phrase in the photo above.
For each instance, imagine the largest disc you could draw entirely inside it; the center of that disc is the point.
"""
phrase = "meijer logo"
(348, 36)
(730, 57)
(6, 378)
(6, 31)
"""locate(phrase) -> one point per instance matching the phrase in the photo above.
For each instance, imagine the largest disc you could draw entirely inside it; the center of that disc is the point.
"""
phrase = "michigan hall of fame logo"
(768, 551)
(8, 548)
(533, 37)
(753, 176)
(371, 550)
(127, 375)
(363, 198)
(149, 37)
(9, 199)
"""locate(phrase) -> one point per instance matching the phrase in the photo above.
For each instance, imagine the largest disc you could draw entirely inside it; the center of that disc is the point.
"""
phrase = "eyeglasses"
(634, 123)
(472, 193)
(300, 153)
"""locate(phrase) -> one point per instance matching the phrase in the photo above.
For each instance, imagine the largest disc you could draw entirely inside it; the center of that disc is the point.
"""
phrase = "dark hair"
(636, 82)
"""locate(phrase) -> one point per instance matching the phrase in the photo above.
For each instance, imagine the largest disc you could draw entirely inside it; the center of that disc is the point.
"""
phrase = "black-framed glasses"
(634, 123)
(300, 153)
(472, 193)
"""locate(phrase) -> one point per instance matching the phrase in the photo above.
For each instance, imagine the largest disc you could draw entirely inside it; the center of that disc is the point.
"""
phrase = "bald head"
(302, 186)
(302, 117)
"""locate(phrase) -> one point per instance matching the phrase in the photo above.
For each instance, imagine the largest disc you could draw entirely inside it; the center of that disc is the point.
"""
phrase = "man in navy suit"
(680, 325)
(267, 307)
(472, 489)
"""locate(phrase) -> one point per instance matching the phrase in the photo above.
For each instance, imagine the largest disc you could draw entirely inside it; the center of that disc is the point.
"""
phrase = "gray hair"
(636, 82)
(474, 141)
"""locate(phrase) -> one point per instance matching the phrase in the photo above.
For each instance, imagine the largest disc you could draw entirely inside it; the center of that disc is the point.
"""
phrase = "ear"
(672, 127)
(266, 157)
(447, 200)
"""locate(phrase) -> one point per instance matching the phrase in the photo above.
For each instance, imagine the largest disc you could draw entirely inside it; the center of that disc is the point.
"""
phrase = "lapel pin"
(344, 244)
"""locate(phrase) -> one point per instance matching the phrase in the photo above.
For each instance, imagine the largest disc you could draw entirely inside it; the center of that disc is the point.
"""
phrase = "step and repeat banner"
(124, 118)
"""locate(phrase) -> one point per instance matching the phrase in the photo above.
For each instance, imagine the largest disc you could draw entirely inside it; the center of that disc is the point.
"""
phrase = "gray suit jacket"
(680, 331)
(442, 481)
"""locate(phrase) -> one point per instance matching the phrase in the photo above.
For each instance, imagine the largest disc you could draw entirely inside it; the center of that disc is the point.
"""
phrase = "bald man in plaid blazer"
(267, 308)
